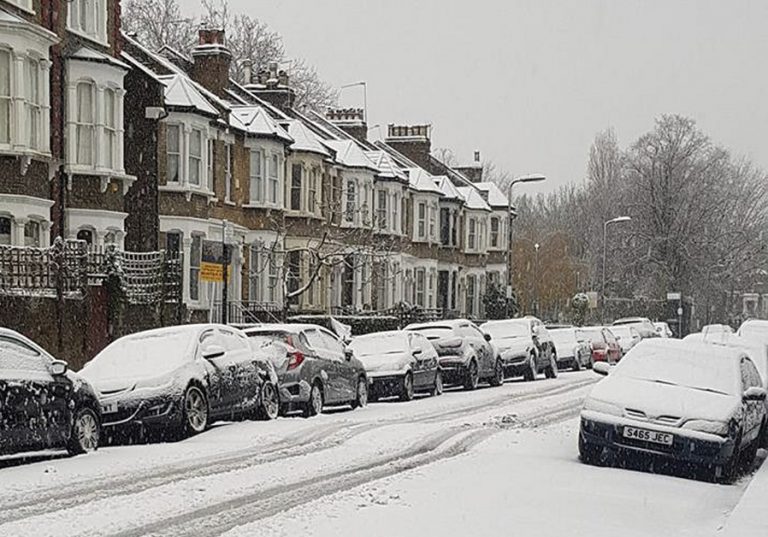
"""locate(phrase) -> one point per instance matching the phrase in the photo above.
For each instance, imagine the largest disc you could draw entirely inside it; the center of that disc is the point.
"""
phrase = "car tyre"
(498, 374)
(532, 371)
(361, 398)
(269, 407)
(551, 371)
(406, 388)
(85, 434)
(472, 376)
(589, 453)
(437, 388)
(195, 411)
(576, 363)
(314, 406)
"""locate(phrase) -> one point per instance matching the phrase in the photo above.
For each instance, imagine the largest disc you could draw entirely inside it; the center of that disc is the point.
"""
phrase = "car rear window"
(435, 332)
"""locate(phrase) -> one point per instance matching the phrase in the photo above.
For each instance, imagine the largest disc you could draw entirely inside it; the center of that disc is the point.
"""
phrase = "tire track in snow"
(296, 445)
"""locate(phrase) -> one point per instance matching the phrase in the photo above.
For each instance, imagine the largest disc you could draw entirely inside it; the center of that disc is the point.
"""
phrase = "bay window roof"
(422, 181)
(182, 94)
(305, 140)
(473, 199)
(254, 120)
(349, 154)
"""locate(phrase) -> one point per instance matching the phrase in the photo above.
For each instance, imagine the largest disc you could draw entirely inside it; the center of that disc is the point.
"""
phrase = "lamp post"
(536, 280)
(365, 96)
(605, 248)
(532, 178)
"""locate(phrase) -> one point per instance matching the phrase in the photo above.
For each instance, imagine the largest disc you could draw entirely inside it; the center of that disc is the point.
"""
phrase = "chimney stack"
(350, 120)
(272, 85)
(247, 72)
(474, 171)
(413, 141)
(212, 60)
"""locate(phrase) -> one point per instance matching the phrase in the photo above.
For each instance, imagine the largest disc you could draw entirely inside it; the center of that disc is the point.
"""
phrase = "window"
(365, 206)
(32, 234)
(17, 356)
(471, 295)
(420, 287)
(294, 275)
(85, 123)
(85, 235)
(228, 180)
(88, 17)
(173, 243)
(256, 272)
(274, 178)
(381, 209)
(5, 97)
(110, 128)
(296, 187)
(257, 178)
(110, 237)
(174, 153)
(312, 200)
(5, 230)
(431, 290)
(395, 205)
(272, 282)
(33, 101)
(210, 165)
(472, 236)
(349, 214)
(445, 226)
(432, 222)
(422, 220)
(195, 156)
(494, 232)
(195, 253)
(395, 277)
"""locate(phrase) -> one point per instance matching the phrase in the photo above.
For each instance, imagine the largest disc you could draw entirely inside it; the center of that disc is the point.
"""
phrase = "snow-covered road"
(474, 463)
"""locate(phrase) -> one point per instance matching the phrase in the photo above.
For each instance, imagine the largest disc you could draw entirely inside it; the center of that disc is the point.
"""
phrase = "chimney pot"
(477, 157)
(247, 71)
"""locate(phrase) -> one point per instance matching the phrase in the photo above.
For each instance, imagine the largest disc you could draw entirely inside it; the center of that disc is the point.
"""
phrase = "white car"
(691, 402)
(663, 329)
(754, 329)
(627, 336)
(641, 324)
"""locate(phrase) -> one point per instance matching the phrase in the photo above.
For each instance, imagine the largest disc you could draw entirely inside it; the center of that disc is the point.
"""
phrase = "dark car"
(399, 363)
(315, 369)
(572, 350)
(525, 347)
(43, 405)
(466, 354)
(605, 347)
(181, 379)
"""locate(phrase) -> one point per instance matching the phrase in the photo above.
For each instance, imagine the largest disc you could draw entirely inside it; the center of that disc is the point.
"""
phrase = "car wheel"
(588, 453)
(551, 371)
(269, 408)
(314, 406)
(498, 374)
(725, 473)
(195, 411)
(362, 393)
(531, 372)
(84, 437)
(577, 363)
(472, 376)
(406, 388)
(437, 389)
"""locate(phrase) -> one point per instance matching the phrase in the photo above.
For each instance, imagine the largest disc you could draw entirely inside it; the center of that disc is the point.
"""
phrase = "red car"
(605, 347)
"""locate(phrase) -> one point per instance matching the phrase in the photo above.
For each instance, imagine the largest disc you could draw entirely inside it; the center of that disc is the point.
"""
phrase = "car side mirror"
(487, 337)
(417, 352)
(754, 394)
(59, 368)
(601, 368)
(212, 352)
(348, 354)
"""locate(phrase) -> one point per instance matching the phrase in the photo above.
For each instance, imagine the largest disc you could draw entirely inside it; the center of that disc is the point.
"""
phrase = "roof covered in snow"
(473, 199)
(181, 92)
(422, 181)
(448, 189)
(304, 139)
(495, 196)
(386, 166)
(254, 120)
(89, 55)
(349, 154)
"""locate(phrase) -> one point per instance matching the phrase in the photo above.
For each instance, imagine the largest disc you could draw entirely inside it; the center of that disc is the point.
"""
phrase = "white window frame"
(421, 220)
(23, 4)
(472, 233)
(312, 191)
(382, 195)
(6, 99)
(210, 167)
(350, 201)
(194, 268)
(395, 202)
(33, 102)
(256, 176)
(432, 221)
(228, 177)
(111, 129)
(96, 27)
(495, 235)
(296, 188)
(274, 179)
(177, 152)
(421, 287)
(256, 273)
(85, 126)
(195, 161)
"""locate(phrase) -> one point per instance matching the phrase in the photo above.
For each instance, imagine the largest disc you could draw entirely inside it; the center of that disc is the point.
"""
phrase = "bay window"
(85, 124)
(349, 213)
(257, 178)
(432, 222)
(89, 17)
(420, 287)
(256, 273)
(471, 294)
(195, 156)
(195, 254)
(5, 97)
(381, 209)
(32, 234)
(33, 101)
(472, 234)
(395, 205)
(422, 221)
(494, 232)
(210, 165)
(274, 178)
(5, 230)
(110, 128)
(228, 176)
(312, 200)
(296, 171)
(173, 145)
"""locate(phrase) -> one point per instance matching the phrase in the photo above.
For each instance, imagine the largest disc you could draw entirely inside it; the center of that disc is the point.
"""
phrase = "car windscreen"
(690, 368)
(590, 334)
(276, 335)
(754, 331)
(508, 330)
(563, 336)
(622, 331)
(434, 332)
(142, 356)
(378, 344)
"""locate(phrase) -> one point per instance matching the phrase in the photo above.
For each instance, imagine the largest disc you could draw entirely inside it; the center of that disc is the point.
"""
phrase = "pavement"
(750, 517)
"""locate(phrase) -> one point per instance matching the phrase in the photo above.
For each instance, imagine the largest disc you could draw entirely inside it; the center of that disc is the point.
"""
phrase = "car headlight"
(603, 407)
(719, 428)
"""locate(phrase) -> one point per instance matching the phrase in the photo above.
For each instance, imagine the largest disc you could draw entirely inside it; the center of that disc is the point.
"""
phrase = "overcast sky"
(529, 83)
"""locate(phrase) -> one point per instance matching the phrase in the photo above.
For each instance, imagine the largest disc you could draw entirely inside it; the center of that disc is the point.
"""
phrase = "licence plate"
(648, 436)
(109, 408)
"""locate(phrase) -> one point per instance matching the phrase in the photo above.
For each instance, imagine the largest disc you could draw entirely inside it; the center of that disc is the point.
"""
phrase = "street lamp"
(365, 96)
(531, 178)
(617, 220)
(536, 280)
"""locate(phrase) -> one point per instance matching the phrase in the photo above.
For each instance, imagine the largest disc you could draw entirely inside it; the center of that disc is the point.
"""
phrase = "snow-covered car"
(316, 368)
(572, 350)
(603, 343)
(398, 363)
(627, 336)
(663, 329)
(43, 405)
(525, 347)
(180, 379)
(691, 402)
(642, 324)
(754, 329)
(466, 354)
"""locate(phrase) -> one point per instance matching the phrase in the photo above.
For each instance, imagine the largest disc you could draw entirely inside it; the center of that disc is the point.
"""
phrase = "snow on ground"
(521, 482)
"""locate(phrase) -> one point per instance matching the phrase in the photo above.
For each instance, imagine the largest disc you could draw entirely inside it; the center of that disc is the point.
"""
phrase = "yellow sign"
(214, 272)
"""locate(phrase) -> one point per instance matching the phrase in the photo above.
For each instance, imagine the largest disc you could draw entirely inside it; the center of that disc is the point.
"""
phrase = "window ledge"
(188, 191)
(270, 206)
(104, 175)
(230, 203)
(92, 38)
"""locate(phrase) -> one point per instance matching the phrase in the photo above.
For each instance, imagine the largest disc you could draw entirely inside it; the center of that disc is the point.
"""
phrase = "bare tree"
(159, 22)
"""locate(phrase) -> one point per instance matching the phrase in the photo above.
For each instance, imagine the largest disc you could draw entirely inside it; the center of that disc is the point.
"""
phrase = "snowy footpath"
(498, 461)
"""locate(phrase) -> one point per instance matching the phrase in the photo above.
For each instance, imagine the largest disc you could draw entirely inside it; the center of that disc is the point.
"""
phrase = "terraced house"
(104, 140)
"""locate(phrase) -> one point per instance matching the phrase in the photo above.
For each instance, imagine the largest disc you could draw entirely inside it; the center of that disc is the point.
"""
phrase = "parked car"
(572, 350)
(466, 354)
(315, 369)
(181, 379)
(44, 404)
(754, 329)
(604, 346)
(398, 363)
(642, 324)
(713, 331)
(525, 347)
(627, 336)
(691, 402)
(663, 329)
